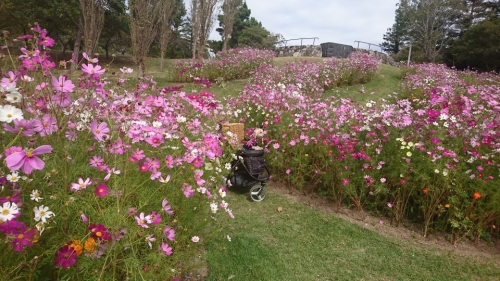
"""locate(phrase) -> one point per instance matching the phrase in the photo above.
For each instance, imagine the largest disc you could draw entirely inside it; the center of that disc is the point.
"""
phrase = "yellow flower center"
(98, 234)
(9, 115)
(42, 213)
(29, 153)
(5, 212)
(20, 236)
(98, 131)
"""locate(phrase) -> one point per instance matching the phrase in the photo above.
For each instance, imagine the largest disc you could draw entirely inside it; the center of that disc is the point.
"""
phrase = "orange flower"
(477, 195)
(77, 247)
(90, 245)
(425, 190)
(446, 206)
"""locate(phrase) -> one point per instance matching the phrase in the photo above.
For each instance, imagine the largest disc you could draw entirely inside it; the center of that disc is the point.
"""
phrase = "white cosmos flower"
(35, 195)
(13, 97)
(445, 172)
(14, 177)
(180, 119)
(8, 210)
(42, 213)
(214, 207)
(9, 113)
(40, 226)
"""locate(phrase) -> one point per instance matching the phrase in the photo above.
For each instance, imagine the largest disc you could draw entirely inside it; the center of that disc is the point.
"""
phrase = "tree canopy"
(458, 32)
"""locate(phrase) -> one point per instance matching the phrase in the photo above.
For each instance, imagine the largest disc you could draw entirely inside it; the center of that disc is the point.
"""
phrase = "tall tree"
(179, 45)
(145, 20)
(396, 36)
(479, 46)
(241, 19)
(429, 23)
(202, 20)
(116, 31)
(93, 22)
(165, 29)
(229, 8)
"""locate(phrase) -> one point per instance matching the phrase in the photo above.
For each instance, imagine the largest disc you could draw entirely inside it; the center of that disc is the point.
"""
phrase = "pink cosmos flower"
(169, 161)
(155, 140)
(22, 126)
(63, 85)
(137, 155)
(143, 221)
(150, 239)
(110, 172)
(155, 218)
(86, 56)
(166, 207)
(169, 233)
(100, 131)
(41, 86)
(197, 177)
(46, 125)
(144, 166)
(82, 184)
(187, 190)
(84, 218)
(27, 160)
(101, 190)
(92, 70)
(96, 161)
(65, 257)
(167, 250)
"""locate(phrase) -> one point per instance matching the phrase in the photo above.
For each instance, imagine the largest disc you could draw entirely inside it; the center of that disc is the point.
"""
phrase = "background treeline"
(460, 33)
(63, 18)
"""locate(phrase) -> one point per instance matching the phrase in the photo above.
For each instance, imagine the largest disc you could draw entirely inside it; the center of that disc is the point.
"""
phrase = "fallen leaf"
(280, 209)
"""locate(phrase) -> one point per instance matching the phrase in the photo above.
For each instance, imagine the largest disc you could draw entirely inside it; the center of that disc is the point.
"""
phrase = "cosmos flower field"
(103, 179)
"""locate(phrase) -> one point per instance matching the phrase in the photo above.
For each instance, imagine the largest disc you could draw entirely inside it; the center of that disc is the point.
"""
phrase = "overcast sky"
(338, 21)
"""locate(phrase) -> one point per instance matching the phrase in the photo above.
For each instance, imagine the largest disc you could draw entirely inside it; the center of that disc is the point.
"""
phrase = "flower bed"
(100, 181)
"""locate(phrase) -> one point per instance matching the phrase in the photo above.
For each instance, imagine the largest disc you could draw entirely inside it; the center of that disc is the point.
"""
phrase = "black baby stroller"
(250, 170)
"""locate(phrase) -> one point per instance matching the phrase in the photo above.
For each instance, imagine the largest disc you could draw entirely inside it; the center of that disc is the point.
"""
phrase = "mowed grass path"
(300, 243)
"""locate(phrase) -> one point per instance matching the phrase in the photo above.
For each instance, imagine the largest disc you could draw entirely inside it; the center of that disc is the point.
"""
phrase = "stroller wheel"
(257, 193)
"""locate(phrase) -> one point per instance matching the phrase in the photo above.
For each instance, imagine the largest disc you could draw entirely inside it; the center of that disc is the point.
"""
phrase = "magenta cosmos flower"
(101, 190)
(27, 160)
(65, 257)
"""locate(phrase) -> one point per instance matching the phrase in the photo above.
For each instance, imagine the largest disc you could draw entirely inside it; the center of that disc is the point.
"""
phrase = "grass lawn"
(300, 243)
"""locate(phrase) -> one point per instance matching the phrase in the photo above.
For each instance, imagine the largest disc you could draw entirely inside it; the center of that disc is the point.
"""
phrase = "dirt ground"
(410, 233)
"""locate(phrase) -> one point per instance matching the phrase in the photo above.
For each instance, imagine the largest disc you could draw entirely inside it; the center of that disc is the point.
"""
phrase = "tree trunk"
(161, 62)
(76, 47)
(142, 68)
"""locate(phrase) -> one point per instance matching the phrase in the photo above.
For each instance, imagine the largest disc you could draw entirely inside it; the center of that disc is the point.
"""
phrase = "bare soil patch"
(410, 233)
